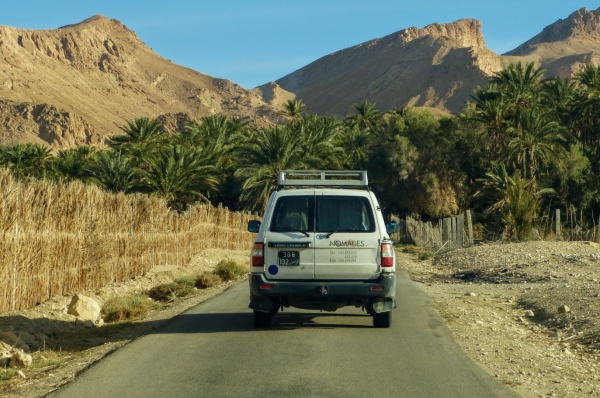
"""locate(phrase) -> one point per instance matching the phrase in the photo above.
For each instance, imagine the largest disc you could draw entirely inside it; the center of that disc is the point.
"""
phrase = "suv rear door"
(347, 241)
(289, 237)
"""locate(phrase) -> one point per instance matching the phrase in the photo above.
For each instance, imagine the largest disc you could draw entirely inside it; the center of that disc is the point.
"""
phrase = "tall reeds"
(59, 239)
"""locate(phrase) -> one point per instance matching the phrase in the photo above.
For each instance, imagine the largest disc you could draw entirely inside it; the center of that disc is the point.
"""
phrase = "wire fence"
(457, 231)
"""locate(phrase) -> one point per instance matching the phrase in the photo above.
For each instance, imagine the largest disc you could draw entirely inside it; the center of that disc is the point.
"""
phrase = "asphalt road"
(212, 350)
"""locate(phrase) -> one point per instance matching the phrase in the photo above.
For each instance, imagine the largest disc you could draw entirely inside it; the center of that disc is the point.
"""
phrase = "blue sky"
(252, 42)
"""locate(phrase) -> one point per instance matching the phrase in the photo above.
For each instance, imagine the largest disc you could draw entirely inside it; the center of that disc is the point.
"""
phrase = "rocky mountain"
(78, 84)
(564, 47)
(437, 66)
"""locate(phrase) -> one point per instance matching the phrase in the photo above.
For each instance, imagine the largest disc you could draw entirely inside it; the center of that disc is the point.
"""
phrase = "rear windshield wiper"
(288, 229)
(344, 230)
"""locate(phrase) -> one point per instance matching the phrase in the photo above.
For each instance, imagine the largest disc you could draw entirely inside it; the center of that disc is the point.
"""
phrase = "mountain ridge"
(102, 72)
(436, 66)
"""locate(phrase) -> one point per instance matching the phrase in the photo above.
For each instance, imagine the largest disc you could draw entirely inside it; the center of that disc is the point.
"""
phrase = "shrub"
(207, 279)
(228, 270)
(166, 292)
(411, 249)
(186, 281)
(123, 308)
(425, 255)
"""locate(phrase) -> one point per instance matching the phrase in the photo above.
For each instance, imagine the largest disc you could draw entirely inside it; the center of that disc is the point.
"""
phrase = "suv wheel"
(382, 320)
(262, 319)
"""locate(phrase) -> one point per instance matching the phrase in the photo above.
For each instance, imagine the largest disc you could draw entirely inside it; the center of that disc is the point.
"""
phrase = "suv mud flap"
(261, 303)
(383, 305)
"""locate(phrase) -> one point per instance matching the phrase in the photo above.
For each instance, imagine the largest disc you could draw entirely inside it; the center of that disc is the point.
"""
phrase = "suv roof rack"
(328, 178)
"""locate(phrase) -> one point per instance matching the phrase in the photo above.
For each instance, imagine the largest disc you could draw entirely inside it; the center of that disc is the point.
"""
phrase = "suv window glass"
(294, 212)
(335, 213)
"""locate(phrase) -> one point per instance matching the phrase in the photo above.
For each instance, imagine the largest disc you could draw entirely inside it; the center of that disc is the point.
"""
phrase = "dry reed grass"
(57, 239)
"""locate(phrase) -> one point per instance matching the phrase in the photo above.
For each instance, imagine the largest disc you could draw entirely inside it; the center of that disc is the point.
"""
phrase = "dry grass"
(228, 270)
(57, 239)
(168, 292)
(207, 279)
(126, 308)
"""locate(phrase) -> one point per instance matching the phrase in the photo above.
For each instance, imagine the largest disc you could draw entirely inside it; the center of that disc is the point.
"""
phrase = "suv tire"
(262, 319)
(382, 320)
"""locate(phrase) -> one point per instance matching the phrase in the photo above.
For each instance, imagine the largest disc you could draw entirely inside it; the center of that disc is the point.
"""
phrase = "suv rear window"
(333, 213)
(350, 213)
(294, 213)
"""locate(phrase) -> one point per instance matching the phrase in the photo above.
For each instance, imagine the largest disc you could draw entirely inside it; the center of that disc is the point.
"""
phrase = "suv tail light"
(387, 255)
(257, 254)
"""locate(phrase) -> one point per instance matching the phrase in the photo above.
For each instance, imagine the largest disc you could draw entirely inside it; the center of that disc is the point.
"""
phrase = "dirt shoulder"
(61, 348)
(527, 313)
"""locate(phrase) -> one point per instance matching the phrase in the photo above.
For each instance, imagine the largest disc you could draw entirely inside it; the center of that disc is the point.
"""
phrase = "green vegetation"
(126, 308)
(523, 145)
(167, 292)
(225, 271)
(228, 270)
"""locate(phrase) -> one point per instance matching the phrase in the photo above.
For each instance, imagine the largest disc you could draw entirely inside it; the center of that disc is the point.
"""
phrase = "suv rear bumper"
(385, 285)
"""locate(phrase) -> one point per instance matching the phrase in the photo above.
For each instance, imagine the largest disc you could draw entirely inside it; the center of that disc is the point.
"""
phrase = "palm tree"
(72, 164)
(318, 139)
(586, 109)
(182, 177)
(520, 86)
(293, 109)
(113, 172)
(143, 137)
(357, 147)
(537, 143)
(367, 117)
(27, 160)
(493, 112)
(494, 186)
(558, 96)
(589, 77)
(262, 156)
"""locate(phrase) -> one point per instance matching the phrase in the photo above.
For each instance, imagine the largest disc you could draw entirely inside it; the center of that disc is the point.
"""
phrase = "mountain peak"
(96, 19)
(581, 23)
(466, 32)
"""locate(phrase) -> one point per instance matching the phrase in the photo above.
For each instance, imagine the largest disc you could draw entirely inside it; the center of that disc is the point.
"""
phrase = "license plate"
(288, 257)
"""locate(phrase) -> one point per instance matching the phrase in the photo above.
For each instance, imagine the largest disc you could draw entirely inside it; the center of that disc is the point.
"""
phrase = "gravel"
(527, 313)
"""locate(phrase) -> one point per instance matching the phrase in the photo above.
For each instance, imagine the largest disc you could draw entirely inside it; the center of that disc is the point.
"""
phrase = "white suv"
(323, 244)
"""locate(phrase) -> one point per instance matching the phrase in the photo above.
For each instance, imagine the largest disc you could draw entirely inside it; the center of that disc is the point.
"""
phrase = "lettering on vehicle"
(343, 256)
(347, 243)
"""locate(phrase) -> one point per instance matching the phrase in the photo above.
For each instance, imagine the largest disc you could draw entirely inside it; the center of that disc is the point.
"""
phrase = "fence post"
(470, 227)
(453, 225)
(461, 230)
(558, 225)
(446, 230)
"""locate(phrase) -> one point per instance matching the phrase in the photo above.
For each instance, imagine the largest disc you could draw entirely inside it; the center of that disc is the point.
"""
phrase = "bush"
(207, 279)
(132, 307)
(411, 249)
(228, 270)
(167, 292)
(186, 281)
(425, 255)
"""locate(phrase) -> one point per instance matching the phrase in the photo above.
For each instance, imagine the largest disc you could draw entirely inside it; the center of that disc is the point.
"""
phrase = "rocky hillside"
(79, 83)
(437, 66)
(565, 46)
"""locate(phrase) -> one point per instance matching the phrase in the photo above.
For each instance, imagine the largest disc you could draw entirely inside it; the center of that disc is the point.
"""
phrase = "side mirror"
(391, 227)
(253, 226)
